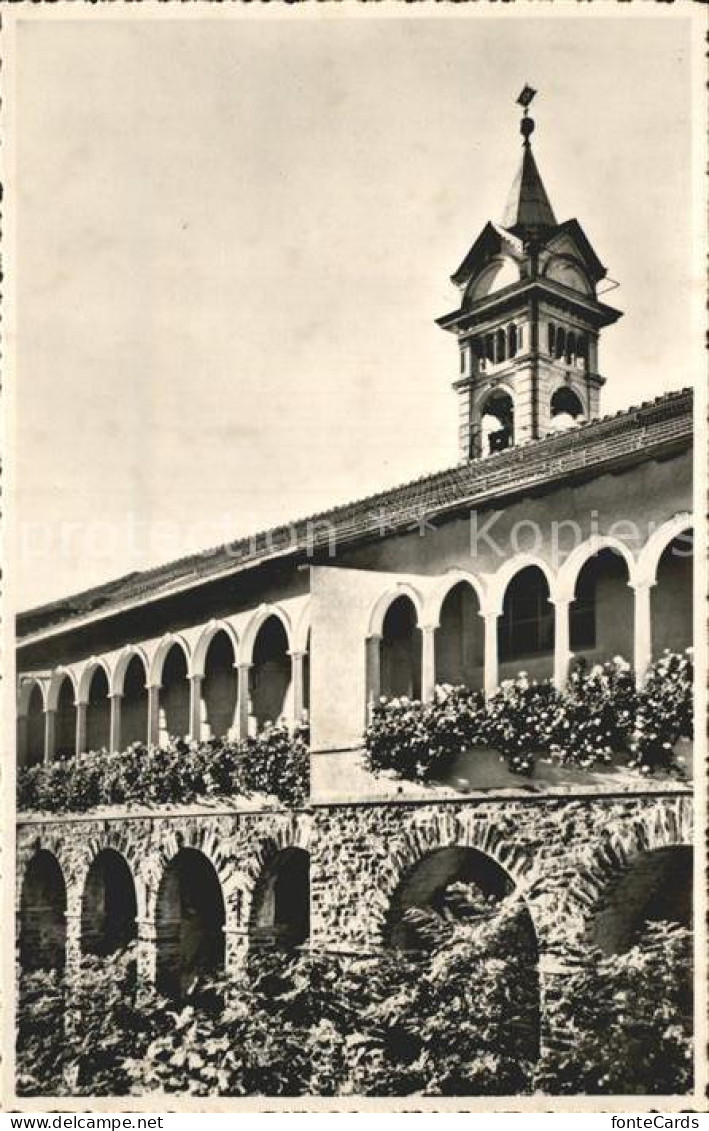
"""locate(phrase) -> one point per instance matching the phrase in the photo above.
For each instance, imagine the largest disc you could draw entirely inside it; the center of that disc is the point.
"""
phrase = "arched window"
(551, 338)
(500, 346)
(671, 597)
(34, 753)
(570, 348)
(526, 627)
(497, 422)
(582, 350)
(490, 347)
(401, 650)
(560, 342)
(566, 409)
(511, 340)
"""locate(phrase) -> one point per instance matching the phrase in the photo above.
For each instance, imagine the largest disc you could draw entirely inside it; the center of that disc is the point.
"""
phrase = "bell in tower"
(528, 322)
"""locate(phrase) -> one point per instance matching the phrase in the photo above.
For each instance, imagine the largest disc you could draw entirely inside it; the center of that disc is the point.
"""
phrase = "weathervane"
(527, 124)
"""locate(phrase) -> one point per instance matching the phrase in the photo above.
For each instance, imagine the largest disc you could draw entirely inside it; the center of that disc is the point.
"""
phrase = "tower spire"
(528, 212)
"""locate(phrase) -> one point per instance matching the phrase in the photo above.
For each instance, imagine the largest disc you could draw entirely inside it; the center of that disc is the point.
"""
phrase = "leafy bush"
(627, 1021)
(664, 713)
(599, 714)
(275, 763)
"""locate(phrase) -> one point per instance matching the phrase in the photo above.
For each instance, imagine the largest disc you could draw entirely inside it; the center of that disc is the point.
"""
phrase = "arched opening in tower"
(400, 650)
(525, 630)
(108, 905)
(174, 696)
(497, 423)
(601, 614)
(460, 638)
(33, 752)
(280, 915)
(219, 686)
(189, 921)
(98, 712)
(671, 597)
(134, 706)
(271, 674)
(65, 738)
(566, 409)
(43, 915)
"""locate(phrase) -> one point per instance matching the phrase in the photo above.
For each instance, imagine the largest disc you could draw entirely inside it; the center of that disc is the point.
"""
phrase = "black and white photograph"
(354, 567)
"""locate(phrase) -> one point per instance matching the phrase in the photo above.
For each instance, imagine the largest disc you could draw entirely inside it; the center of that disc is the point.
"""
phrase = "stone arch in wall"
(220, 684)
(671, 597)
(460, 637)
(566, 408)
(496, 422)
(652, 886)
(43, 907)
(400, 649)
(134, 704)
(190, 917)
(280, 905)
(271, 673)
(109, 905)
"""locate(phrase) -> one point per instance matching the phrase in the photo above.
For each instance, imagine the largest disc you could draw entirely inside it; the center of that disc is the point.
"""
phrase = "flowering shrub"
(664, 713)
(275, 763)
(598, 715)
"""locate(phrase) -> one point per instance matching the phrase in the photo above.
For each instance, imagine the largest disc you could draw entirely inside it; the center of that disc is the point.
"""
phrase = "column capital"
(374, 636)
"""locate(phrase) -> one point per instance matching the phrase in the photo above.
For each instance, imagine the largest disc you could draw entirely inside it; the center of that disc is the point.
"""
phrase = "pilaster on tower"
(528, 322)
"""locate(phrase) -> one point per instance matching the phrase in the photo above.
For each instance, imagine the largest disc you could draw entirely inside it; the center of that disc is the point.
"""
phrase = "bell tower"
(529, 320)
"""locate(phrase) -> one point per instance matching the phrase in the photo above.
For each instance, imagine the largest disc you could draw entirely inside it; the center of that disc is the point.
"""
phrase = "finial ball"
(526, 127)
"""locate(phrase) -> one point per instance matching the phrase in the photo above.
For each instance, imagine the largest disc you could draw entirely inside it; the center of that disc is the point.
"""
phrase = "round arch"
(649, 557)
(382, 604)
(130, 652)
(87, 675)
(161, 652)
(202, 646)
(109, 904)
(26, 687)
(301, 631)
(59, 675)
(498, 582)
(435, 598)
(43, 907)
(576, 560)
(190, 916)
(280, 905)
(254, 626)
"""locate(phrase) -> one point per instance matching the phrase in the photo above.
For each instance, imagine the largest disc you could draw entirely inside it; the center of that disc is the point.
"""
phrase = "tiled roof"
(631, 433)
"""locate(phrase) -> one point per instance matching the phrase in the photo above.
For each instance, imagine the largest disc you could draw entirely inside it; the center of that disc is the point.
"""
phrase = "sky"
(233, 237)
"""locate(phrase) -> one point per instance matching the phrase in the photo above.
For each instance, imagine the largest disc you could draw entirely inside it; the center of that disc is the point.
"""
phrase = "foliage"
(627, 1021)
(665, 712)
(598, 716)
(274, 763)
(459, 1016)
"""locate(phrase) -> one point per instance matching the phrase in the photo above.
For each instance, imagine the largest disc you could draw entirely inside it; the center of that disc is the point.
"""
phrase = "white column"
(373, 662)
(195, 733)
(50, 731)
(492, 677)
(114, 742)
(243, 705)
(81, 709)
(297, 665)
(428, 662)
(153, 735)
(642, 647)
(562, 645)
